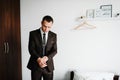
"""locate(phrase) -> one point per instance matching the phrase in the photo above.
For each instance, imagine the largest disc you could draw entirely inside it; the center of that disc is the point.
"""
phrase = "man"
(42, 48)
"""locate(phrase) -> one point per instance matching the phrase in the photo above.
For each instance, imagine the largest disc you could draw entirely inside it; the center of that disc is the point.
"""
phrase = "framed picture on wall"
(106, 11)
(97, 13)
(90, 13)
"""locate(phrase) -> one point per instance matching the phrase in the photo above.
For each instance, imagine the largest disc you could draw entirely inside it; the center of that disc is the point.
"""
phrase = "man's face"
(46, 26)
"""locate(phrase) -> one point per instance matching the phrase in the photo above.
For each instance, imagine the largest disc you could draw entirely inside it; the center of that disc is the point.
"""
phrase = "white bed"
(78, 75)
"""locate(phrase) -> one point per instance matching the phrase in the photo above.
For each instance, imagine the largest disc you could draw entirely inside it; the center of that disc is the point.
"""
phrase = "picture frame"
(98, 13)
(106, 11)
(90, 13)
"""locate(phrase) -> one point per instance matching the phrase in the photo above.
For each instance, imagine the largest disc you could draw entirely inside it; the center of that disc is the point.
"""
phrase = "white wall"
(88, 50)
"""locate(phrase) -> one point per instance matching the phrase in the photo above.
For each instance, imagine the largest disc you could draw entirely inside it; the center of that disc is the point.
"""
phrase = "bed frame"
(116, 77)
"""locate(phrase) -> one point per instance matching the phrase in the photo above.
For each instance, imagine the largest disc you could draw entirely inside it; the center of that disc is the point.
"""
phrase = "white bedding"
(93, 75)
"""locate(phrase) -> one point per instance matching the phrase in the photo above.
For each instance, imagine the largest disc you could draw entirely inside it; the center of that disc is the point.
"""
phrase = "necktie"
(44, 43)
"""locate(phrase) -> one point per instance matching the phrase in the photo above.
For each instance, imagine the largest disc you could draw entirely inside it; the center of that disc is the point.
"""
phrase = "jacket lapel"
(49, 39)
(39, 37)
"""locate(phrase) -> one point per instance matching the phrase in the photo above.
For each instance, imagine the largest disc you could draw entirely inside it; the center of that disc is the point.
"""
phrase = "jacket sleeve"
(53, 50)
(31, 46)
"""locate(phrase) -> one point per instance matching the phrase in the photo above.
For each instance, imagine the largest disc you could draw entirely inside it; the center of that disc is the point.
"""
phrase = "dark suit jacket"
(35, 49)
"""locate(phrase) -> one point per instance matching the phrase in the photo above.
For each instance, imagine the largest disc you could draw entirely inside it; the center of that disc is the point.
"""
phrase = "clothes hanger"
(84, 25)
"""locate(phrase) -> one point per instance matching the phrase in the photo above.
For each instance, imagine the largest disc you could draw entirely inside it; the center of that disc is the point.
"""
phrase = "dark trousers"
(38, 74)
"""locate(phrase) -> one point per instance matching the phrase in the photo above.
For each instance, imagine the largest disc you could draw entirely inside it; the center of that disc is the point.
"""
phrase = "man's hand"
(42, 61)
(45, 58)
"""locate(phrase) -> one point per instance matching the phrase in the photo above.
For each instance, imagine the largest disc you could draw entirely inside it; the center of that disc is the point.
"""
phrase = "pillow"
(93, 75)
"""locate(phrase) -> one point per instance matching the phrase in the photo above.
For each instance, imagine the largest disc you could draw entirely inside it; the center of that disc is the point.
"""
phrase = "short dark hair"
(47, 18)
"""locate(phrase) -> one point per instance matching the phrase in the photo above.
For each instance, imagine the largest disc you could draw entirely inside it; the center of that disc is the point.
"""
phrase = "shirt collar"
(43, 32)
